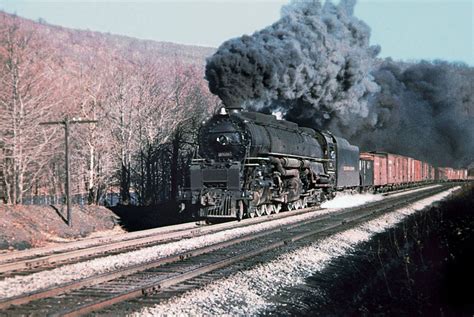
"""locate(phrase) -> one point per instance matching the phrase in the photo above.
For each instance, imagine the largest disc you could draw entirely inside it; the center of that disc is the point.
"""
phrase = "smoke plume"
(314, 63)
(424, 110)
(316, 67)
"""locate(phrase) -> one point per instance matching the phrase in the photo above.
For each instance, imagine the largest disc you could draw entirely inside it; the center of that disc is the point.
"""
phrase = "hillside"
(76, 43)
(139, 91)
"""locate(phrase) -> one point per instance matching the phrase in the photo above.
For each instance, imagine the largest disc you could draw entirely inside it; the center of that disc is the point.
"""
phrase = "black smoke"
(424, 110)
(315, 58)
(316, 67)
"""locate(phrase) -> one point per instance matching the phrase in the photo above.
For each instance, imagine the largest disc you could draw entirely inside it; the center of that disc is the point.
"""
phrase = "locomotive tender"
(253, 164)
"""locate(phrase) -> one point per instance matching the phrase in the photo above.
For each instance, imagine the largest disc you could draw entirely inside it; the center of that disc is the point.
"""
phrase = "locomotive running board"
(300, 157)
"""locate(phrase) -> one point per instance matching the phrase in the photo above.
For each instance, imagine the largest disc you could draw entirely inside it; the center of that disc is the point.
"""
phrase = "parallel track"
(38, 259)
(30, 261)
(102, 291)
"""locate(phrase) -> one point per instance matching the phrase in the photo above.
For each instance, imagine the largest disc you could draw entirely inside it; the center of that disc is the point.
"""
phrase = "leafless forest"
(148, 98)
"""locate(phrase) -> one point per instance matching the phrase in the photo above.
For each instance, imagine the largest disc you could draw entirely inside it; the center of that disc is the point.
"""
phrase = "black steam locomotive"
(252, 164)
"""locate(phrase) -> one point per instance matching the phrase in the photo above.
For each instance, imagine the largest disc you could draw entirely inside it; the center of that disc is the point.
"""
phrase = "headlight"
(222, 140)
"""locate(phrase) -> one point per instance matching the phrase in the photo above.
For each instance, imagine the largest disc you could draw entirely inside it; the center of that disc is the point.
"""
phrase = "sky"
(405, 29)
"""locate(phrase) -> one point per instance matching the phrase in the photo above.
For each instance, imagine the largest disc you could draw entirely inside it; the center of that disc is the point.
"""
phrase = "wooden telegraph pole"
(66, 123)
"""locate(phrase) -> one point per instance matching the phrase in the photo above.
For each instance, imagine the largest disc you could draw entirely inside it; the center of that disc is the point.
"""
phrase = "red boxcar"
(432, 172)
(456, 174)
(391, 168)
(418, 171)
(448, 173)
(411, 170)
(460, 174)
(424, 171)
(441, 173)
(397, 166)
(394, 169)
(380, 167)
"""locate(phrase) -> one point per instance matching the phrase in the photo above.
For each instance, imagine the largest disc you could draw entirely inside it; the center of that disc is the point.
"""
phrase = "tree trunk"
(148, 177)
(174, 164)
(125, 185)
(91, 192)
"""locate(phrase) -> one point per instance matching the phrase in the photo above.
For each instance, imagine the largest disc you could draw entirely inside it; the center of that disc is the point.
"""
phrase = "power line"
(66, 122)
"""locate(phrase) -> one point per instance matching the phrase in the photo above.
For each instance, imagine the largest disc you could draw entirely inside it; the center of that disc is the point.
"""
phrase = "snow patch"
(344, 200)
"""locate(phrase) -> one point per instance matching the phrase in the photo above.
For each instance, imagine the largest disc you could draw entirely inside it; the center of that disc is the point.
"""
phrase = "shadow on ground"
(422, 267)
(134, 218)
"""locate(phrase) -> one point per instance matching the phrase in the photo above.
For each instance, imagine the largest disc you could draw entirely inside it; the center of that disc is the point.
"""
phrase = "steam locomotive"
(252, 164)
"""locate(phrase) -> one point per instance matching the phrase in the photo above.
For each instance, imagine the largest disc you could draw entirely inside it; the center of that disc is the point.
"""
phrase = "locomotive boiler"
(251, 164)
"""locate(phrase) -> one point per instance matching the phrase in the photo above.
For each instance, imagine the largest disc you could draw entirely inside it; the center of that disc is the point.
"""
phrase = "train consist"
(381, 171)
(252, 164)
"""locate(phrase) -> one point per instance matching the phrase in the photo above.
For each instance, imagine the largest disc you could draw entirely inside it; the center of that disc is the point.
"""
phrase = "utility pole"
(66, 123)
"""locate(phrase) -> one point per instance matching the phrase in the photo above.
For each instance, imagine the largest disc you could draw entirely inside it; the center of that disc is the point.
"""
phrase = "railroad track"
(41, 258)
(173, 272)
(34, 260)
(38, 259)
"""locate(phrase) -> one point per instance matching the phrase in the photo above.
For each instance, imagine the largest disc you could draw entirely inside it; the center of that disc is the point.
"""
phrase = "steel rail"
(409, 189)
(22, 299)
(47, 256)
(89, 242)
(104, 277)
(155, 287)
(150, 238)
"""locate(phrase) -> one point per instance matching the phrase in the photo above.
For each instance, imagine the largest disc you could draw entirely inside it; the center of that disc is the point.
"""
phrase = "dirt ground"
(27, 226)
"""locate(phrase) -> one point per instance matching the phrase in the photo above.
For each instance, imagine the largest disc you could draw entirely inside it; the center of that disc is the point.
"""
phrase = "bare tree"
(25, 100)
(148, 110)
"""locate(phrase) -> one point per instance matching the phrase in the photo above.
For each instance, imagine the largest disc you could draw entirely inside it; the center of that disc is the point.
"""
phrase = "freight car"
(382, 171)
(252, 164)
(451, 174)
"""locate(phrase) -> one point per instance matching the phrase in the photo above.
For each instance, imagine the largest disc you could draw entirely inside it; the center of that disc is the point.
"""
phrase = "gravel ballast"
(250, 292)
(18, 285)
